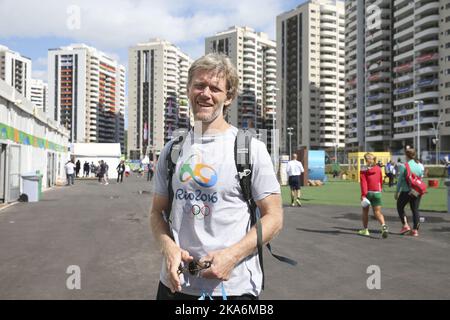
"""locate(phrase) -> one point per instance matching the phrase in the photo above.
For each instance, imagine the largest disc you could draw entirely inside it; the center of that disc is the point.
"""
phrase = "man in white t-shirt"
(70, 172)
(294, 170)
(210, 220)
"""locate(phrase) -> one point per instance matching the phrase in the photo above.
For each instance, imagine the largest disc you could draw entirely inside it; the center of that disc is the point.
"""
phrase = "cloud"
(39, 74)
(40, 62)
(118, 24)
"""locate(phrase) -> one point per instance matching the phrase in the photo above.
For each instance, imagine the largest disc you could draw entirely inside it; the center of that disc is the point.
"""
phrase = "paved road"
(104, 230)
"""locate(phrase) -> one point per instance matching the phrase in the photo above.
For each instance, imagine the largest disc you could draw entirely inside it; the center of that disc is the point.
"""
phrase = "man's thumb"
(185, 256)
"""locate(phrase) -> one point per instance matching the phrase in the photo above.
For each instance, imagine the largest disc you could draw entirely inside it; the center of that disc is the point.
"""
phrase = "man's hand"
(174, 255)
(396, 196)
(222, 264)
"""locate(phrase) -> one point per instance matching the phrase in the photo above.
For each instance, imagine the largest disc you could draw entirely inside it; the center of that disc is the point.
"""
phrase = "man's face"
(208, 95)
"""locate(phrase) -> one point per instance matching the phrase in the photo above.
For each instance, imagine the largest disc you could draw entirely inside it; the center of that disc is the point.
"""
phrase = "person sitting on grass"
(371, 187)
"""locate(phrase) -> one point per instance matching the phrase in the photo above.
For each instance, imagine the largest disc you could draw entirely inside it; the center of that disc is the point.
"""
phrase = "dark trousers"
(414, 202)
(120, 175)
(391, 179)
(149, 175)
(164, 293)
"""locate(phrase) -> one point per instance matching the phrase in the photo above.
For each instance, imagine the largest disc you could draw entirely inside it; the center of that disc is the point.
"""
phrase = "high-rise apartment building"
(401, 94)
(311, 62)
(254, 56)
(442, 129)
(15, 70)
(369, 90)
(355, 75)
(87, 94)
(39, 94)
(416, 72)
(157, 95)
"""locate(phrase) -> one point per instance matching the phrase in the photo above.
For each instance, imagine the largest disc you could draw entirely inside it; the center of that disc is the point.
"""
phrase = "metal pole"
(290, 145)
(418, 130)
(337, 141)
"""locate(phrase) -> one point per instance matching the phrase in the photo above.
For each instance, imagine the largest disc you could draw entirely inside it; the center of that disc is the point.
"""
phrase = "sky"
(112, 26)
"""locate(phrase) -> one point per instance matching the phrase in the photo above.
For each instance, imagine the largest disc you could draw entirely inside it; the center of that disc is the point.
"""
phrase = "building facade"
(15, 70)
(401, 95)
(87, 94)
(157, 95)
(311, 71)
(39, 94)
(29, 143)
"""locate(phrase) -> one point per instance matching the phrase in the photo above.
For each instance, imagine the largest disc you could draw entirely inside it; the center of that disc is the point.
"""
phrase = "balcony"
(427, 95)
(427, 70)
(381, 137)
(376, 117)
(401, 23)
(404, 56)
(379, 66)
(405, 10)
(378, 44)
(428, 8)
(378, 107)
(403, 44)
(427, 32)
(378, 56)
(379, 86)
(404, 78)
(399, 102)
(427, 20)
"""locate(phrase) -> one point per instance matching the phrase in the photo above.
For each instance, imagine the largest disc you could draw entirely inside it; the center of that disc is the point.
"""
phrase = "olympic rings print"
(187, 173)
(200, 212)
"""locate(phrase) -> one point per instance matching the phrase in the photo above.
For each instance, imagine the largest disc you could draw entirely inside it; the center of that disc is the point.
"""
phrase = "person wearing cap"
(371, 188)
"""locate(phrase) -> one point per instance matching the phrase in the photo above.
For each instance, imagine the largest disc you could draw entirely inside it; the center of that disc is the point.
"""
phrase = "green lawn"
(347, 193)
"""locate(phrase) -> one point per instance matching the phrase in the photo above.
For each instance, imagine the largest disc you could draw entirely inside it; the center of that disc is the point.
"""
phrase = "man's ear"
(228, 102)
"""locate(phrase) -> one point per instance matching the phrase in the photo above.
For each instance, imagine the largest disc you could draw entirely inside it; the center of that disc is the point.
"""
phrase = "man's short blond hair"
(222, 65)
(370, 155)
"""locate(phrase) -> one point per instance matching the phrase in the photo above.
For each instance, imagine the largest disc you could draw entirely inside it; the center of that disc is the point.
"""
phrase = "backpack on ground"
(244, 168)
(418, 187)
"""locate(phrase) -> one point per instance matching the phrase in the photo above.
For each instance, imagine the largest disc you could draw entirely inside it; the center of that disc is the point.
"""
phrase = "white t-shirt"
(294, 168)
(70, 168)
(209, 212)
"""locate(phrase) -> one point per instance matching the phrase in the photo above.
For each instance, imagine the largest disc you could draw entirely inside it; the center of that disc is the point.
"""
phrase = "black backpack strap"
(242, 154)
(171, 160)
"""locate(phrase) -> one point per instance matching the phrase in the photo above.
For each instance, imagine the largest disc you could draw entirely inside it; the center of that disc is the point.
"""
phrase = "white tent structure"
(94, 152)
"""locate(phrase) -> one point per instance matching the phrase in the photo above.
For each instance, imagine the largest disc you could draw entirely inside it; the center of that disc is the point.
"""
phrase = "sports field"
(347, 193)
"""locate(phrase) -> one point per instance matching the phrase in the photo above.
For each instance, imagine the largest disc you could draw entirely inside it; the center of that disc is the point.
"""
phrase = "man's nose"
(206, 91)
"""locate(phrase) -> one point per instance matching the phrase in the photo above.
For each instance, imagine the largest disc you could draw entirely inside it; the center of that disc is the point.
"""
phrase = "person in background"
(86, 169)
(127, 170)
(403, 195)
(336, 169)
(106, 176)
(93, 169)
(78, 168)
(70, 172)
(150, 171)
(120, 171)
(371, 187)
(294, 170)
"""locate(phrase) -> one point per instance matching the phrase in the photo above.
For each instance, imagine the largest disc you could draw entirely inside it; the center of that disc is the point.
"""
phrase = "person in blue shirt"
(404, 196)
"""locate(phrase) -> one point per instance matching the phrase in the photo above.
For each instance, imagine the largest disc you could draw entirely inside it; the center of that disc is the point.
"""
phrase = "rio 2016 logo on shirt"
(203, 174)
